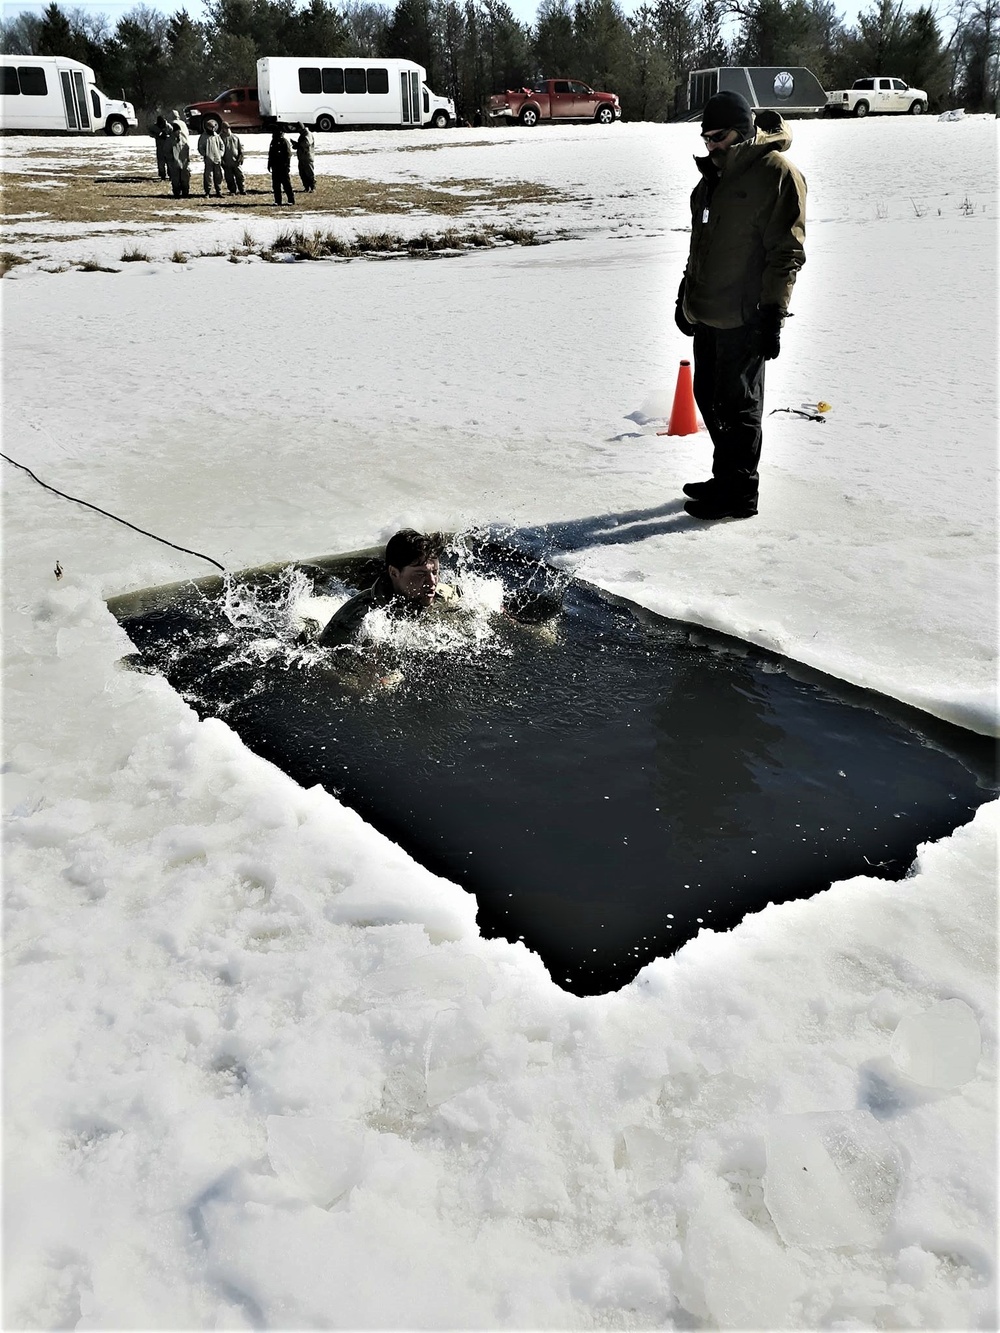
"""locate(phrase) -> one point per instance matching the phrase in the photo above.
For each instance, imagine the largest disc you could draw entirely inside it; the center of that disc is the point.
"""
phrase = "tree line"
(472, 48)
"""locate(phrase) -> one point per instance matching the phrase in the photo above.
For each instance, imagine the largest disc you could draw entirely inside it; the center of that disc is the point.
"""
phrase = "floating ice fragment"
(831, 1179)
(940, 1047)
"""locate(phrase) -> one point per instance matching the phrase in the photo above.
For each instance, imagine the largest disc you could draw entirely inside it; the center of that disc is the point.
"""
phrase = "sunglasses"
(716, 137)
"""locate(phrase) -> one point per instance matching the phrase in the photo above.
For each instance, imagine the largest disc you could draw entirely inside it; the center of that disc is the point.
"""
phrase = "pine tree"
(647, 89)
(56, 35)
(320, 30)
(555, 39)
(601, 37)
(448, 29)
(762, 32)
(187, 62)
(408, 35)
(137, 58)
(881, 31)
(505, 46)
(922, 62)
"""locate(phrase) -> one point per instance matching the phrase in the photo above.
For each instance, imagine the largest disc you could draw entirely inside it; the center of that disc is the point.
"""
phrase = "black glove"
(683, 324)
(768, 321)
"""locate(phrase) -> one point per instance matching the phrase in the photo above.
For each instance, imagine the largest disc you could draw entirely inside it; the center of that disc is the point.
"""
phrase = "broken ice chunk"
(831, 1179)
(652, 1159)
(447, 1080)
(318, 1157)
(940, 1047)
(735, 1275)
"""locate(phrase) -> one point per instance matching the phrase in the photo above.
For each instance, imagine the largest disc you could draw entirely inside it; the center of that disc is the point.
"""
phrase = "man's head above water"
(413, 563)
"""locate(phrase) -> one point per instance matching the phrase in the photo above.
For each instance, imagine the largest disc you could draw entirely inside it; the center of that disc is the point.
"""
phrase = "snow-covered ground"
(260, 1069)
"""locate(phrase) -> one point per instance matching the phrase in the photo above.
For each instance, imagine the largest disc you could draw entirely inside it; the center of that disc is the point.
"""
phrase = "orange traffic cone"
(683, 417)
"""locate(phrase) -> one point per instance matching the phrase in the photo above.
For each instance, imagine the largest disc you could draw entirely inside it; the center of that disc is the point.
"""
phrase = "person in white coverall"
(211, 147)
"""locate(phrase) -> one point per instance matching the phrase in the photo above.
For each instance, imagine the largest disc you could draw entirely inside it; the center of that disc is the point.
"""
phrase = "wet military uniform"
(344, 626)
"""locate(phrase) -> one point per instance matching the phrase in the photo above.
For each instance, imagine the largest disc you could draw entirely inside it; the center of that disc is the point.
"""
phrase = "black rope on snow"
(86, 503)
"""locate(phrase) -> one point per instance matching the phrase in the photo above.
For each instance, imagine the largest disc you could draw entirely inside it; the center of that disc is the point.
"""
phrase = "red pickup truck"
(237, 107)
(555, 99)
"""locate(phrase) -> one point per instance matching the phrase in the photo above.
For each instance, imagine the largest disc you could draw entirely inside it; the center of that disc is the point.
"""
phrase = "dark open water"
(604, 789)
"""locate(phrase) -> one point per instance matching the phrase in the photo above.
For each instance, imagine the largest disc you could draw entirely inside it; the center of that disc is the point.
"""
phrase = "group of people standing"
(222, 155)
(279, 163)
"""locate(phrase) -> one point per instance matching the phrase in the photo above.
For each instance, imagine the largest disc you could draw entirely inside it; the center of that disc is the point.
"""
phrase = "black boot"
(699, 490)
(720, 507)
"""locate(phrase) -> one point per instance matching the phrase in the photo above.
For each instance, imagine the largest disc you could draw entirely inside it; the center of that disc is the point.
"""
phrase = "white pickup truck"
(875, 96)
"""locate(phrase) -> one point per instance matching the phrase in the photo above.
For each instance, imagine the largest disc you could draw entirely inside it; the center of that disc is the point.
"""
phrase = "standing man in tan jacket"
(211, 147)
(747, 244)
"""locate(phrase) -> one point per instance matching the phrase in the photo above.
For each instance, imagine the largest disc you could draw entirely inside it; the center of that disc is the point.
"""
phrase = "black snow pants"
(729, 391)
(281, 180)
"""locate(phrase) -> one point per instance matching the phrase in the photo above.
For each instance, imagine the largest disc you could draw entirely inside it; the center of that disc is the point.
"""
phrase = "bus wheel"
(325, 124)
(116, 125)
(440, 120)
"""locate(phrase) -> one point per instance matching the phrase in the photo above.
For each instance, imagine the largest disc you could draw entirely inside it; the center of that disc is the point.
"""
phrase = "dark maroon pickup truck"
(236, 107)
(555, 99)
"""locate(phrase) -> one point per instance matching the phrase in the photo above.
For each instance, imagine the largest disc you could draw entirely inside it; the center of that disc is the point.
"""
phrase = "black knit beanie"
(728, 111)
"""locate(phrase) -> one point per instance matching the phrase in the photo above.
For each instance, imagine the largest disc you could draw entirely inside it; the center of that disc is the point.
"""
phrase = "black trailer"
(792, 90)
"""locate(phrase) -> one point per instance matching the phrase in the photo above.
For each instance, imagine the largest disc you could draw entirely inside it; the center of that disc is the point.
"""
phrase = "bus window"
(309, 80)
(95, 103)
(10, 84)
(333, 80)
(354, 81)
(378, 80)
(32, 80)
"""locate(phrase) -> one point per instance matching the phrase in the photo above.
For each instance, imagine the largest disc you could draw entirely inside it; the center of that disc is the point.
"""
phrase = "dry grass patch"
(78, 195)
(436, 147)
(9, 260)
(328, 245)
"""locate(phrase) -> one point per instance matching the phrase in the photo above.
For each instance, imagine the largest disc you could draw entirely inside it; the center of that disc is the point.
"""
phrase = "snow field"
(260, 1068)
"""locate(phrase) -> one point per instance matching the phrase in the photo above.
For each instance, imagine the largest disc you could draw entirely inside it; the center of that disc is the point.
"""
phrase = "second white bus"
(332, 93)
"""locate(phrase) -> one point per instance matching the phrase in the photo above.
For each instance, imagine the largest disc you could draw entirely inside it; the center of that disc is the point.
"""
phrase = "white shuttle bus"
(55, 93)
(331, 93)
